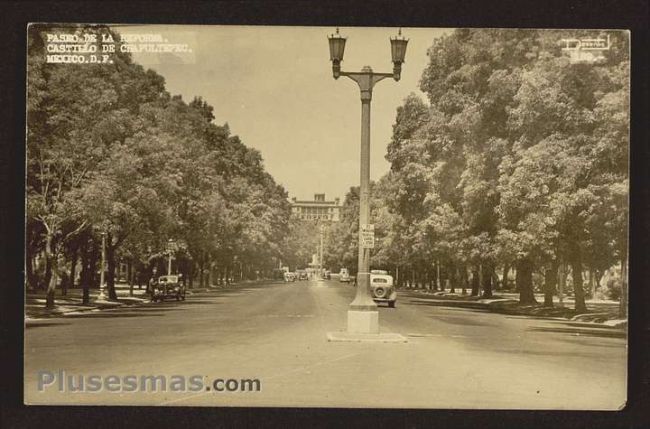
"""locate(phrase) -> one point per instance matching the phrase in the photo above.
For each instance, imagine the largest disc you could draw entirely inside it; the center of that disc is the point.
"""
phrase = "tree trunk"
(598, 277)
(73, 266)
(550, 281)
(622, 311)
(562, 274)
(129, 275)
(63, 277)
(454, 273)
(504, 281)
(50, 260)
(110, 275)
(32, 281)
(524, 282)
(487, 280)
(592, 283)
(495, 278)
(397, 278)
(84, 276)
(201, 273)
(48, 270)
(475, 281)
(578, 291)
(464, 280)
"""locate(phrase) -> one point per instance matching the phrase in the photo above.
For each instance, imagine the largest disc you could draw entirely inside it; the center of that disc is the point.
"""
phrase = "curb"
(110, 305)
(493, 305)
(85, 309)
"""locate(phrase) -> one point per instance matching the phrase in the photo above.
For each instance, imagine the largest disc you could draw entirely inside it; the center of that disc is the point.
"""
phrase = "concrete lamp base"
(363, 321)
(363, 326)
(346, 337)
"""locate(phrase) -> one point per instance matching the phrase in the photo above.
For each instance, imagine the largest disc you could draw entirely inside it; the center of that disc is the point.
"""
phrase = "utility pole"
(102, 283)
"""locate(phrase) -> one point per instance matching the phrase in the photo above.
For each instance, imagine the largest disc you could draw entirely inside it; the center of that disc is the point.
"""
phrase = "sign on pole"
(367, 236)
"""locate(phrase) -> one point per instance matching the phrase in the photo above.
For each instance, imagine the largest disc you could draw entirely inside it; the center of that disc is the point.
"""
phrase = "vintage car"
(302, 274)
(382, 287)
(289, 277)
(344, 275)
(169, 286)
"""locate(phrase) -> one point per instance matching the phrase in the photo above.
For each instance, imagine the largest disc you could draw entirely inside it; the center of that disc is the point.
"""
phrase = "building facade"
(318, 209)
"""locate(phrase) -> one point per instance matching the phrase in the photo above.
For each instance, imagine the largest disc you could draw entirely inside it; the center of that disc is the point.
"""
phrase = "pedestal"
(363, 322)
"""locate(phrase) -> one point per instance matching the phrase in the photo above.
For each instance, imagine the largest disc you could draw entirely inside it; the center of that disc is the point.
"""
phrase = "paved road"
(276, 333)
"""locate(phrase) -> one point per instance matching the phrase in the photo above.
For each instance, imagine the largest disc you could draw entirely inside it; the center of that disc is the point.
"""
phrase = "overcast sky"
(274, 87)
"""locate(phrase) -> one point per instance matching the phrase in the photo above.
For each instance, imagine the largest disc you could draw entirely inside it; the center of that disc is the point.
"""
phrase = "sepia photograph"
(326, 217)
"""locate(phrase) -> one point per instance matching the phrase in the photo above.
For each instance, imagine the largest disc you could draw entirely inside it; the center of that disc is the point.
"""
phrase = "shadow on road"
(113, 315)
(193, 301)
(40, 324)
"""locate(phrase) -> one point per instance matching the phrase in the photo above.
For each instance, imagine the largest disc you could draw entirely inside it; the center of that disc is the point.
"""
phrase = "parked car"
(382, 287)
(344, 275)
(302, 274)
(168, 287)
(289, 277)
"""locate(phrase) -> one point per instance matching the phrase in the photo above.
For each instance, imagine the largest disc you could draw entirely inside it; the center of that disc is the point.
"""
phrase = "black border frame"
(627, 14)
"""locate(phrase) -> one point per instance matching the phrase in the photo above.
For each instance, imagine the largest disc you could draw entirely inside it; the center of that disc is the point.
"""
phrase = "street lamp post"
(320, 259)
(102, 285)
(363, 316)
(170, 250)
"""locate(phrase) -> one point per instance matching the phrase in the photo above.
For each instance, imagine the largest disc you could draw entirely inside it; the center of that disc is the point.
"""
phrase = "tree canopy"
(111, 151)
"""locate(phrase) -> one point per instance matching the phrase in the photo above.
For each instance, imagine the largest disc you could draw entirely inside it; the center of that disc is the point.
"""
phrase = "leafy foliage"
(110, 151)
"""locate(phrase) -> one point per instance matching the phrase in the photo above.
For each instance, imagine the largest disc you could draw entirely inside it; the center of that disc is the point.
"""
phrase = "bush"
(610, 290)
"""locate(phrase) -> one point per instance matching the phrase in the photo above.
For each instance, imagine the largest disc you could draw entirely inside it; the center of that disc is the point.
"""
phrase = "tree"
(519, 158)
(110, 151)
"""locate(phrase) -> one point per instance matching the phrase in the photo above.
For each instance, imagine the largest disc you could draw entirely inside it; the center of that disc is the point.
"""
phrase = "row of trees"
(110, 152)
(517, 160)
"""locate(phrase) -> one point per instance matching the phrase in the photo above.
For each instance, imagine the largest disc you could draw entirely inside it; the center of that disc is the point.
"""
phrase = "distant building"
(318, 209)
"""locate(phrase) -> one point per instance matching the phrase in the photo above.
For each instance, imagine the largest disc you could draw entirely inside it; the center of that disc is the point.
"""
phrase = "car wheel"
(391, 304)
(380, 292)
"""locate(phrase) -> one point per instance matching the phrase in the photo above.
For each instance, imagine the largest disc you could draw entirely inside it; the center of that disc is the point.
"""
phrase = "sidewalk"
(72, 303)
(604, 312)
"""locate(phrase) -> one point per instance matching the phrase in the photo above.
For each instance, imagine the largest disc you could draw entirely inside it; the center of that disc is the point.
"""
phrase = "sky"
(274, 88)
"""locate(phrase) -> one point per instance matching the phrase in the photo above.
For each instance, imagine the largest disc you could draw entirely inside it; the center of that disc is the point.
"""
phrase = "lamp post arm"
(366, 80)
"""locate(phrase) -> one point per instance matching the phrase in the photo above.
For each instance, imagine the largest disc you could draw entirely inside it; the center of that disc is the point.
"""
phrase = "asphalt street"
(276, 333)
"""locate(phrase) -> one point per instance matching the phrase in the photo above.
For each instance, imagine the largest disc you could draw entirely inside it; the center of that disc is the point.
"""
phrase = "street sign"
(367, 236)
